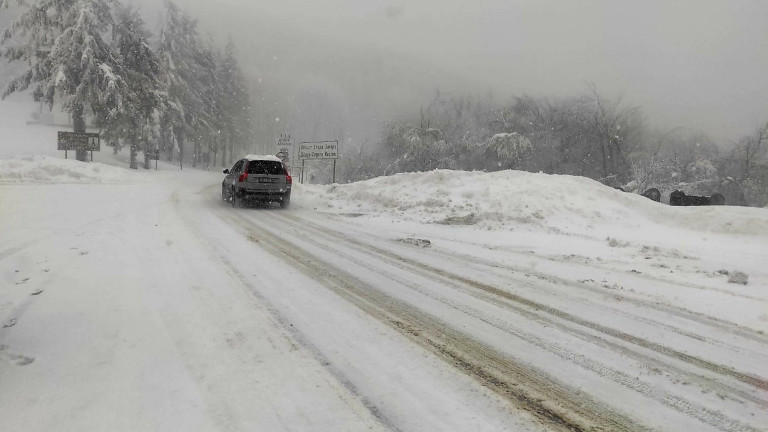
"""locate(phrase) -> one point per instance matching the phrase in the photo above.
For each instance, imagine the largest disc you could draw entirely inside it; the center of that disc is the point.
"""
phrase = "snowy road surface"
(153, 305)
(139, 301)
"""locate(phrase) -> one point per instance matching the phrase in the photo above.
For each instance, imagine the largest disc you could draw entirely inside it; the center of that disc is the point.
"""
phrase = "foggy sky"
(701, 64)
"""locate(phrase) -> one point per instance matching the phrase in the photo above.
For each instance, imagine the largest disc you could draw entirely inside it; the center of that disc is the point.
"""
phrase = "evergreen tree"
(207, 123)
(188, 68)
(235, 107)
(149, 105)
(70, 60)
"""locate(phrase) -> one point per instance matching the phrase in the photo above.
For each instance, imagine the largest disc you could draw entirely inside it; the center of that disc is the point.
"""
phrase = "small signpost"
(87, 141)
(285, 148)
(153, 154)
(319, 150)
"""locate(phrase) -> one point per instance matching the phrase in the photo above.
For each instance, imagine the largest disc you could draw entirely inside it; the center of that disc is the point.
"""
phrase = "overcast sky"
(695, 63)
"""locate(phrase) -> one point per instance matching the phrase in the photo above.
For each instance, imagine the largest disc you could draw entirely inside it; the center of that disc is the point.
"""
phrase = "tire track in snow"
(755, 381)
(560, 406)
(484, 266)
(708, 416)
(651, 278)
(285, 325)
(681, 312)
(726, 326)
(603, 266)
(683, 375)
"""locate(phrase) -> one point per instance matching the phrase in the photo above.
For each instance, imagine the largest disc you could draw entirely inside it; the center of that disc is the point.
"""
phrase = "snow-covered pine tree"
(70, 60)
(208, 123)
(235, 107)
(180, 52)
(145, 76)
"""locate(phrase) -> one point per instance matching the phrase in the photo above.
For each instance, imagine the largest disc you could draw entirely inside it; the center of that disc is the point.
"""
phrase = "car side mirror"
(226, 171)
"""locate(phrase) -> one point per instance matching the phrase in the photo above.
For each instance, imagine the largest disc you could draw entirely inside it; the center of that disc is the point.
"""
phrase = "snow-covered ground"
(138, 300)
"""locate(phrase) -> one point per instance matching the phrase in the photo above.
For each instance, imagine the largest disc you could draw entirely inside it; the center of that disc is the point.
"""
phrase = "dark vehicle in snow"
(679, 198)
(653, 194)
(257, 179)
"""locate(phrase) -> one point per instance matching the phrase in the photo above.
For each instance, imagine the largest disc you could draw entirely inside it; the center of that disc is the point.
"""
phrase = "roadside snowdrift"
(49, 170)
(515, 199)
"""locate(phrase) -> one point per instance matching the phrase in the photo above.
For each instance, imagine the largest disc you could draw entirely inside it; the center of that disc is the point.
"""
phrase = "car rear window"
(265, 167)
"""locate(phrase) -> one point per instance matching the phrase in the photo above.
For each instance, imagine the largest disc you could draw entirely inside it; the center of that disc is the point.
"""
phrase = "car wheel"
(224, 196)
(285, 202)
(234, 200)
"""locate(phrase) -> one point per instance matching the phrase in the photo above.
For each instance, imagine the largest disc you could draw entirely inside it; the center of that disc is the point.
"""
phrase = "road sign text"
(319, 150)
(79, 141)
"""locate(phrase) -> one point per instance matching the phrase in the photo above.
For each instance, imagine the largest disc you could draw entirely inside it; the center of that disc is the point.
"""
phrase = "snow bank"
(514, 199)
(49, 170)
(263, 157)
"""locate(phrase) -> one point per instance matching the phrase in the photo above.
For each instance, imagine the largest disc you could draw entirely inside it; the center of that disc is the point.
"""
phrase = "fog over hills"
(351, 65)
(697, 64)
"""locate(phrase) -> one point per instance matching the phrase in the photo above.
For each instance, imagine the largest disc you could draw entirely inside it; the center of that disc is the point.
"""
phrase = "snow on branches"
(509, 147)
(71, 61)
(185, 87)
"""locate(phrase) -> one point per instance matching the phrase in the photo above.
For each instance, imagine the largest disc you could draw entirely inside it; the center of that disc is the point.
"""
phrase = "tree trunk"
(231, 144)
(224, 153)
(602, 149)
(167, 138)
(134, 155)
(181, 150)
(146, 153)
(78, 122)
(179, 132)
(623, 164)
(611, 157)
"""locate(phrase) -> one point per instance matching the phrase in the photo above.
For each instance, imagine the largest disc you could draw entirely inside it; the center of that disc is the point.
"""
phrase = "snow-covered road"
(548, 345)
(150, 304)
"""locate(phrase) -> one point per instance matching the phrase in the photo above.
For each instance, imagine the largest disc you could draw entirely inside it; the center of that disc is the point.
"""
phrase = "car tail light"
(243, 177)
(288, 179)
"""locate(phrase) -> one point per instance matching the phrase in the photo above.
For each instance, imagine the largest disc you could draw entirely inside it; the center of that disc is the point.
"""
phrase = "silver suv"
(257, 178)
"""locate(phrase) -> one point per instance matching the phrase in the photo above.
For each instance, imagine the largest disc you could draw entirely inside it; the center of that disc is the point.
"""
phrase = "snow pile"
(263, 157)
(514, 199)
(738, 277)
(44, 169)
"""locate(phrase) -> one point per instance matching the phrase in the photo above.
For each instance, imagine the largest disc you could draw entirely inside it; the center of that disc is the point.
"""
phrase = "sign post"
(285, 149)
(153, 154)
(319, 150)
(86, 141)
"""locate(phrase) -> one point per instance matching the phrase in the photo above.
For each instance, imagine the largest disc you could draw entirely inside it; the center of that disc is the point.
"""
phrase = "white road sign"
(319, 150)
(285, 148)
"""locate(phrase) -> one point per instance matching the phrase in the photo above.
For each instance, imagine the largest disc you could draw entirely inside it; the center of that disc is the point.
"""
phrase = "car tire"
(233, 199)
(285, 202)
(224, 196)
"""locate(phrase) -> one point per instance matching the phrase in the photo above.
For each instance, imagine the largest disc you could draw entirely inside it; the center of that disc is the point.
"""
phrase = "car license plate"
(266, 180)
